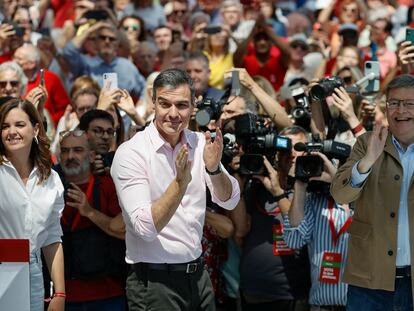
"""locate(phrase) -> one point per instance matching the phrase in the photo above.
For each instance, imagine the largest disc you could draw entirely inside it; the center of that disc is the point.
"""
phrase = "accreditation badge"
(279, 245)
(330, 268)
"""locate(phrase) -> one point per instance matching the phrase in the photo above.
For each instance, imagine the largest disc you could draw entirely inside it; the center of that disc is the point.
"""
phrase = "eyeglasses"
(179, 12)
(352, 10)
(395, 103)
(99, 132)
(13, 83)
(131, 27)
(74, 133)
(300, 46)
(103, 38)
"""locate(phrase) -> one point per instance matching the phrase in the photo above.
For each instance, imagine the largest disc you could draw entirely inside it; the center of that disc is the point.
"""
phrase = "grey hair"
(34, 53)
(405, 81)
(294, 130)
(19, 71)
(198, 55)
(173, 78)
(229, 3)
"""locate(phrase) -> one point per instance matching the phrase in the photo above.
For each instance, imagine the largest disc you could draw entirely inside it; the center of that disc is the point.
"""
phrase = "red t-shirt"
(57, 99)
(102, 287)
(273, 70)
(64, 10)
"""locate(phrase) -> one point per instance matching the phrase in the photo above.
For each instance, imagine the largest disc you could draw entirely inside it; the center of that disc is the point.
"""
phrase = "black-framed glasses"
(13, 83)
(74, 133)
(395, 103)
(300, 46)
(99, 132)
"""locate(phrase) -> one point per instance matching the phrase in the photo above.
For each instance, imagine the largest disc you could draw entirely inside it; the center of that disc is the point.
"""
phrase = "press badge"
(279, 245)
(330, 268)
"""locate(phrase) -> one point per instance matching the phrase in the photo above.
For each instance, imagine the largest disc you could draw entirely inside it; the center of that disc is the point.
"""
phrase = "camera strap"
(336, 235)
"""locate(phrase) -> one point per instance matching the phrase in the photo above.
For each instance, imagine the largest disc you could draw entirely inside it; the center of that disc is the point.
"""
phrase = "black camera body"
(301, 112)
(309, 165)
(257, 141)
(208, 109)
(325, 88)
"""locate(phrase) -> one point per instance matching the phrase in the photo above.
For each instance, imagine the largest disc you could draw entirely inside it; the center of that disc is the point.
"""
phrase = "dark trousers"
(380, 300)
(148, 289)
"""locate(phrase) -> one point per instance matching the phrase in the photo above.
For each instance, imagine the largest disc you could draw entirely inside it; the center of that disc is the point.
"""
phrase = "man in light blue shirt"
(106, 61)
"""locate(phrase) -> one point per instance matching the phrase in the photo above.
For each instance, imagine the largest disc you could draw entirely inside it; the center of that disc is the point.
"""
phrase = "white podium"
(14, 275)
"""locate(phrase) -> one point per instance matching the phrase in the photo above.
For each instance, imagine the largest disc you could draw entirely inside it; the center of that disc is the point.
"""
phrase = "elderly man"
(107, 60)
(377, 179)
(94, 251)
(161, 176)
(28, 57)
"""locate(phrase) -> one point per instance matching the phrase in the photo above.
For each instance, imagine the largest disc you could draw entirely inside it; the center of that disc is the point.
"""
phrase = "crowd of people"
(243, 155)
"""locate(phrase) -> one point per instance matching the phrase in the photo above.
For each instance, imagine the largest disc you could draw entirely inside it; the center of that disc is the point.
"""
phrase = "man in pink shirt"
(161, 176)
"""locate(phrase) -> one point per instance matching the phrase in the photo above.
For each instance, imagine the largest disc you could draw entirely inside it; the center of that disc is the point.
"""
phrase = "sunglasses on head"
(74, 133)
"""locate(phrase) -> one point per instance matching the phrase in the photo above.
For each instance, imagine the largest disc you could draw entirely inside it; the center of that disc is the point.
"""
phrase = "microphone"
(300, 147)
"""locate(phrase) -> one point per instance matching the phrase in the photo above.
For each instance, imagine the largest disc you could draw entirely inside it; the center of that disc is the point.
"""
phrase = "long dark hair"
(39, 152)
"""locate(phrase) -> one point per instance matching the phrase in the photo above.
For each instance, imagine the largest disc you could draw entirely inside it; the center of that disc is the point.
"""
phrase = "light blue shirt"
(407, 162)
(129, 77)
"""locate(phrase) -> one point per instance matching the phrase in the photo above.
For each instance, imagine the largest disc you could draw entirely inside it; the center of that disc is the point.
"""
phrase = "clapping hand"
(213, 150)
(183, 167)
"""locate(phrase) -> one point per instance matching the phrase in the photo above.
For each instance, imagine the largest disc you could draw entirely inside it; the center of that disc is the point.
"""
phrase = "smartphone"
(110, 81)
(235, 83)
(374, 84)
(42, 77)
(409, 35)
(212, 29)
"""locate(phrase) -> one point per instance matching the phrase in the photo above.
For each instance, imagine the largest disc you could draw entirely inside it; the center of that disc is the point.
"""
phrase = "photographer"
(99, 126)
(280, 278)
(316, 220)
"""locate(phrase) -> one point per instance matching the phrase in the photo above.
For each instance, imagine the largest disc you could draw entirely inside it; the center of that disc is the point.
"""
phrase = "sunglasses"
(179, 11)
(347, 80)
(103, 38)
(352, 10)
(13, 83)
(299, 46)
(132, 27)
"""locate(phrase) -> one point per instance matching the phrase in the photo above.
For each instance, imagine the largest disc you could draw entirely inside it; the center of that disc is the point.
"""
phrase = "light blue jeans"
(36, 282)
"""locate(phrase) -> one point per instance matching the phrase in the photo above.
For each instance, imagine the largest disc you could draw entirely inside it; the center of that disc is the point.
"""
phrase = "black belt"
(189, 267)
(403, 272)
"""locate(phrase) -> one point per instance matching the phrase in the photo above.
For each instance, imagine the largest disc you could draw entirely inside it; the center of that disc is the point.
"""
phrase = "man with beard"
(94, 251)
(99, 126)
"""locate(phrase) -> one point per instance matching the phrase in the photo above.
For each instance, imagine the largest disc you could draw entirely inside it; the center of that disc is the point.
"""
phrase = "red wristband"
(357, 129)
(59, 294)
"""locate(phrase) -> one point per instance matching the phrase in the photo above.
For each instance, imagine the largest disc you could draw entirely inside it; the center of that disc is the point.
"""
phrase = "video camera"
(257, 140)
(309, 165)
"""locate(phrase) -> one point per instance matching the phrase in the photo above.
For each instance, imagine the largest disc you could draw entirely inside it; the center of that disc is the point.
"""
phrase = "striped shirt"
(314, 230)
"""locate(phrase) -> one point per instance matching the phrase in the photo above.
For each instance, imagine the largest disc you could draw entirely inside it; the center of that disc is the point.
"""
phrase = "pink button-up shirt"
(142, 170)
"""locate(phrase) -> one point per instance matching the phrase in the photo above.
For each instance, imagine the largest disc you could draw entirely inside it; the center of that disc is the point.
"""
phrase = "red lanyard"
(335, 236)
(88, 195)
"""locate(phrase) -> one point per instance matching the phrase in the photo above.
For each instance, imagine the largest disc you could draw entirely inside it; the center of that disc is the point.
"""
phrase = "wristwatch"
(216, 172)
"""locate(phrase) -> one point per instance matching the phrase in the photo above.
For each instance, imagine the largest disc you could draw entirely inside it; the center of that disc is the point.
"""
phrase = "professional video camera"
(312, 165)
(209, 109)
(301, 113)
(325, 87)
(257, 140)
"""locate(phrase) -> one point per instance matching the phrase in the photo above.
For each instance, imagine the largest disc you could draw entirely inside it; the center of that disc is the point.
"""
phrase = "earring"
(36, 140)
